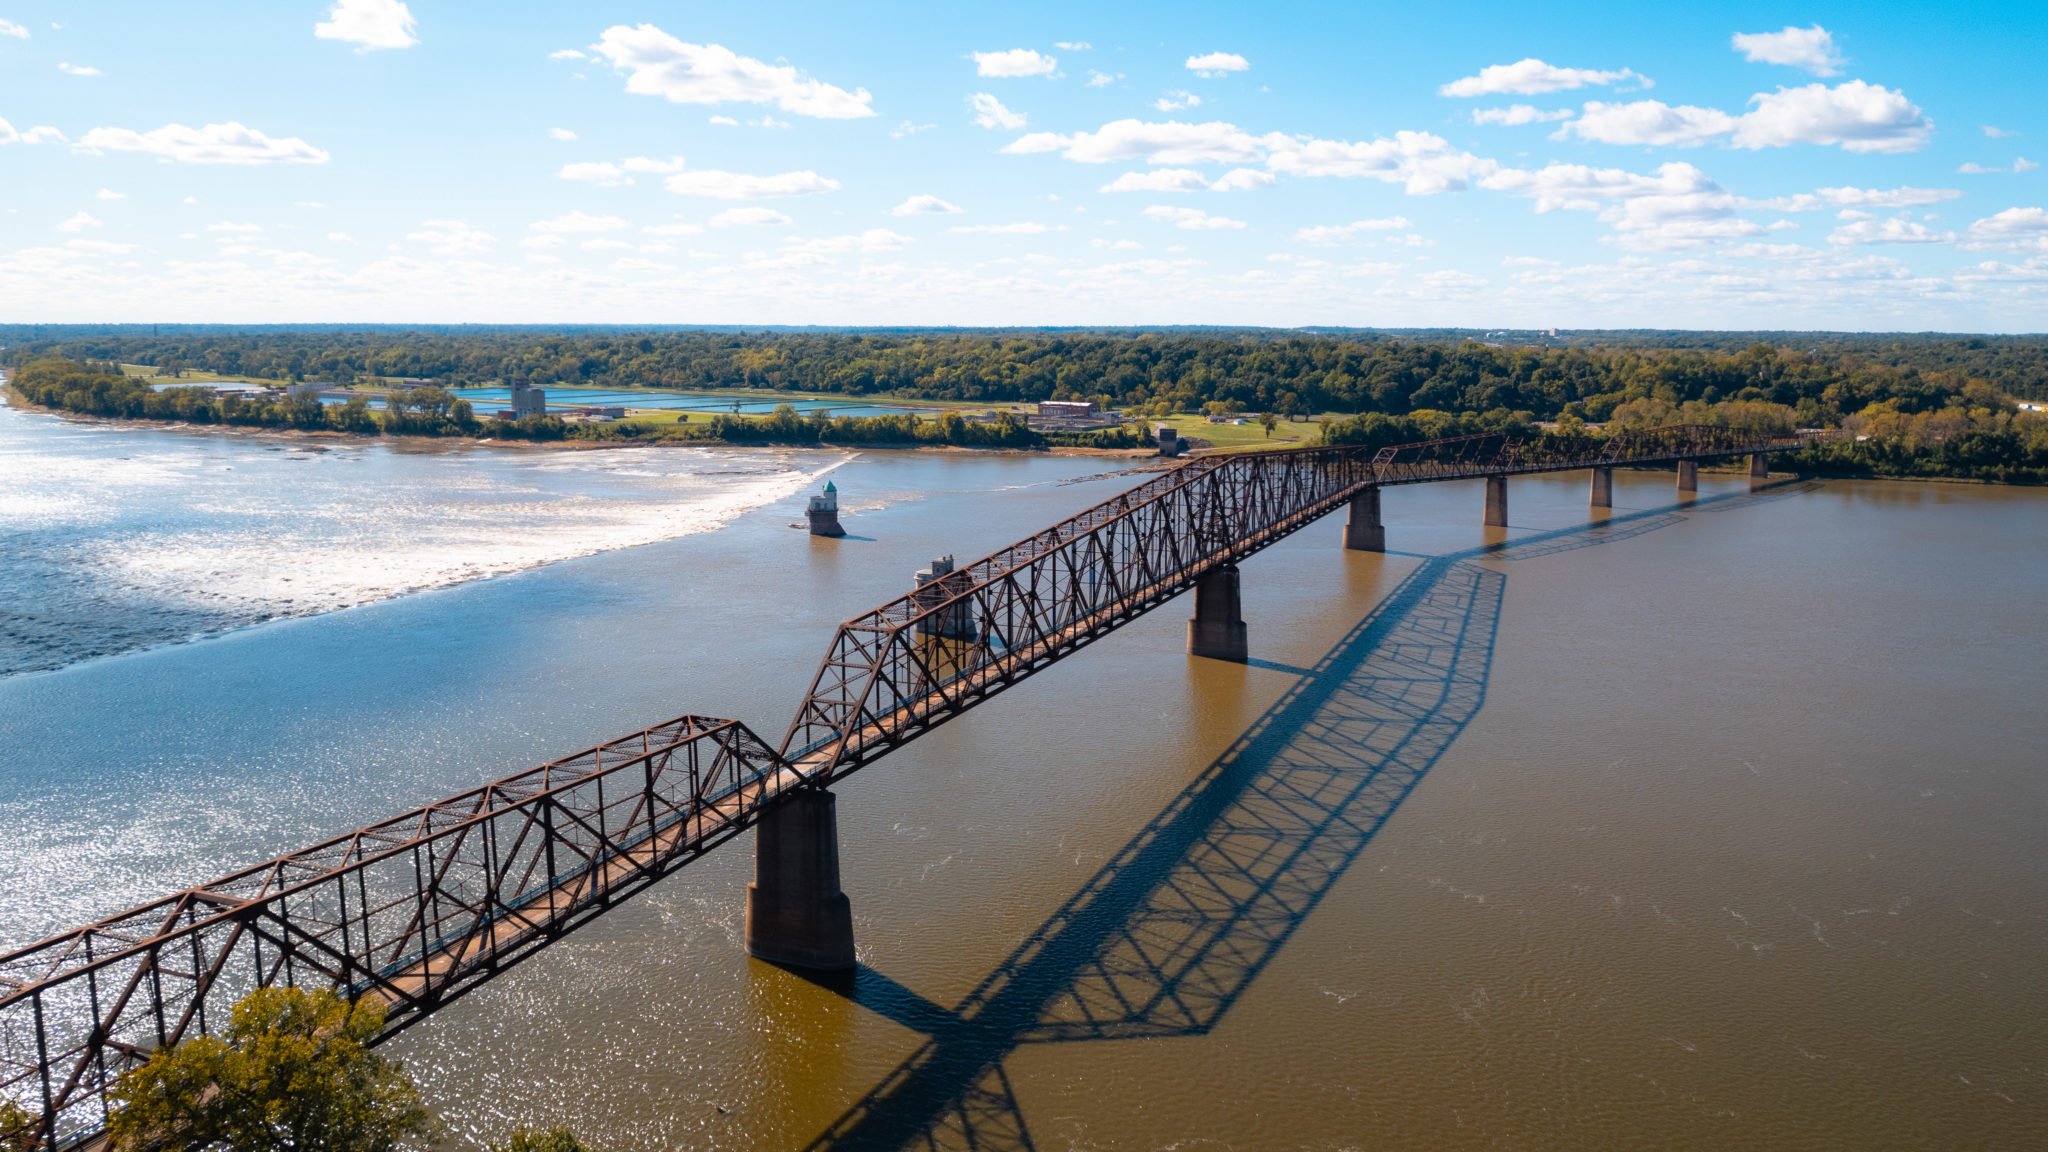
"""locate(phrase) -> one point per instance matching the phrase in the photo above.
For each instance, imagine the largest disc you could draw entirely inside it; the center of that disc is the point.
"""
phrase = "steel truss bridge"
(418, 909)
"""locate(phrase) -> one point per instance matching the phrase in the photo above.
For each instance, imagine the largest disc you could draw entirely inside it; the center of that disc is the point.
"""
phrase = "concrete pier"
(936, 585)
(1759, 467)
(1688, 476)
(1496, 501)
(1603, 487)
(1363, 532)
(796, 914)
(1217, 630)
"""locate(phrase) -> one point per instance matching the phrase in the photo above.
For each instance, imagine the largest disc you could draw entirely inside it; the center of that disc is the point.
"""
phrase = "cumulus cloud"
(1338, 233)
(369, 24)
(658, 64)
(567, 54)
(1189, 180)
(1533, 77)
(1859, 117)
(1014, 62)
(452, 238)
(577, 221)
(749, 217)
(230, 143)
(909, 128)
(1073, 45)
(990, 113)
(1676, 207)
(562, 134)
(602, 173)
(2019, 164)
(1102, 79)
(1862, 229)
(1424, 163)
(1997, 133)
(1902, 197)
(1856, 116)
(40, 134)
(2013, 225)
(80, 222)
(1176, 100)
(1192, 219)
(1649, 122)
(872, 240)
(1241, 180)
(109, 194)
(77, 70)
(719, 185)
(925, 204)
(10, 28)
(1812, 49)
(1213, 64)
(1518, 114)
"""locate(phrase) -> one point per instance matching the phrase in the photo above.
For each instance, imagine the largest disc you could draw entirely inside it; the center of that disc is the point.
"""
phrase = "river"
(1702, 825)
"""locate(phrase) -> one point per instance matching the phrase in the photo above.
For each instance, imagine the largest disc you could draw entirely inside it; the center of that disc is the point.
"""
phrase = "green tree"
(535, 1140)
(294, 1073)
(19, 1128)
(1268, 421)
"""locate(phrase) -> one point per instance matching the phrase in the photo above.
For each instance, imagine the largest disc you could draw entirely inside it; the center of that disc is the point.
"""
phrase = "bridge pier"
(1603, 487)
(796, 914)
(1364, 532)
(1759, 467)
(1496, 501)
(1217, 630)
(1688, 476)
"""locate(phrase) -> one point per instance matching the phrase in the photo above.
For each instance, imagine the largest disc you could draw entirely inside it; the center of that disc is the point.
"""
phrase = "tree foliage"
(536, 1140)
(293, 1073)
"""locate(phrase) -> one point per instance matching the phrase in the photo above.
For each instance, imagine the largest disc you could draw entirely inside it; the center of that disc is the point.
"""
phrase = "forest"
(1915, 405)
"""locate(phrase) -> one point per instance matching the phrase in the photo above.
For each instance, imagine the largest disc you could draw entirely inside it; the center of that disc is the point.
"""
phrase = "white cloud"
(1517, 114)
(1649, 122)
(577, 221)
(1014, 62)
(2013, 224)
(10, 28)
(872, 240)
(233, 229)
(720, 185)
(1213, 64)
(990, 113)
(1532, 77)
(1102, 79)
(909, 128)
(567, 54)
(648, 164)
(544, 240)
(1338, 233)
(2019, 164)
(676, 228)
(230, 143)
(1159, 180)
(41, 134)
(1172, 142)
(1241, 180)
(606, 244)
(1073, 45)
(751, 217)
(77, 70)
(1812, 49)
(340, 238)
(1115, 245)
(1858, 117)
(80, 223)
(1997, 133)
(1176, 100)
(1193, 219)
(602, 173)
(722, 121)
(1021, 228)
(1903, 197)
(109, 194)
(1426, 164)
(369, 24)
(925, 204)
(1894, 230)
(562, 134)
(452, 238)
(658, 64)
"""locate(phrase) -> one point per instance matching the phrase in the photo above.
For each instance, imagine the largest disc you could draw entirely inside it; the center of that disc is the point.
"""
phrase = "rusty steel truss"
(419, 908)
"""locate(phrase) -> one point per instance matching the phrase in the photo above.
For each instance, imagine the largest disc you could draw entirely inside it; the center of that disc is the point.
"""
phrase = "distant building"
(824, 512)
(1072, 416)
(1067, 409)
(528, 400)
(1170, 443)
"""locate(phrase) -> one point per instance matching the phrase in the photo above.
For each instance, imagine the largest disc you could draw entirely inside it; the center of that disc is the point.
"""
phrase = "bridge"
(419, 909)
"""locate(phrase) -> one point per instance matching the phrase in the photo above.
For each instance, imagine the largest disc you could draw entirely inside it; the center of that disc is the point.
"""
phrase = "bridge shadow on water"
(1170, 932)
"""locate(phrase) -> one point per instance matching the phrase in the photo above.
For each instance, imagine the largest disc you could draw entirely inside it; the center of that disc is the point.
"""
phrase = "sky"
(1865, 166)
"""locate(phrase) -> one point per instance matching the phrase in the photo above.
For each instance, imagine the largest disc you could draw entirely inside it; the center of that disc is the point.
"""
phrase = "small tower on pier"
(824, 512)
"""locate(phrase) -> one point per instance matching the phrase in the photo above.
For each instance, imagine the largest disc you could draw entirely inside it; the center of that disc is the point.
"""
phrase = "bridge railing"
(1495, 454)
(412, 910)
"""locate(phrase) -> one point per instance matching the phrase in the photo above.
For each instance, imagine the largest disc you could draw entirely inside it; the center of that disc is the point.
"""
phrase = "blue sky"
(1855, 166)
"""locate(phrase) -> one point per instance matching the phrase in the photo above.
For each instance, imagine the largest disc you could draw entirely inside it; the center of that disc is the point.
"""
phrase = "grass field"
(1246, 437)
